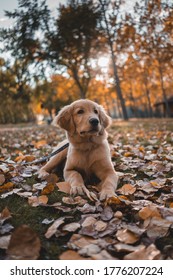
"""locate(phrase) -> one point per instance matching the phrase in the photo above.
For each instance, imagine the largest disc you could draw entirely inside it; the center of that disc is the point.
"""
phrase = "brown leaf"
(158, 228)
(148, 212)
(4, 241)
(36, 201)
(100, 226)
(53, 228)
(74, 201)
(4, 215)
(77, 241)
(102, 255)
(6, 186)
(52, 178)
(64, 187)
(2, 179)
(24, 244)
(48, 189)
(121, 247)
(71, 255)
(149, 253)
(127, 189)
(126, 236)
(71, 227)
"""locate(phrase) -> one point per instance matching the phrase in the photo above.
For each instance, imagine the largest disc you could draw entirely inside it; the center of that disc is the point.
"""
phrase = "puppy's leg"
(109, 182)
(75, 179)
(52, 163)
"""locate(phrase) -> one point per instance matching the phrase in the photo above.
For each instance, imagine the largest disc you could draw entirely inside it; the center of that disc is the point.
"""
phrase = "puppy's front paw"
(82, 190)
(42, 174)
(107, 193)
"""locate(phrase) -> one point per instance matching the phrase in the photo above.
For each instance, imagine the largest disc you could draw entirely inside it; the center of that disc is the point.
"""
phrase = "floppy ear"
(104, 118)
(64, 119)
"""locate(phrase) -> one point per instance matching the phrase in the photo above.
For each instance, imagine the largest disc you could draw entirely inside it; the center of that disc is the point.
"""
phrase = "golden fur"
(88, 153)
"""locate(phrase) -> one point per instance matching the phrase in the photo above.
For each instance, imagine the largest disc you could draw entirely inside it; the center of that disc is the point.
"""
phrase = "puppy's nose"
(94, 122)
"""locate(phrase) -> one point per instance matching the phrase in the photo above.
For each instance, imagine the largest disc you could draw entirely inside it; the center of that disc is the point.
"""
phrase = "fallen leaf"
(24, 244)
(90, 250)
(100, 226)
(37, 200)
(4, 215)
(149, 253)
(4, 241)
(126, 236)
(71, 227)
(2, 179)
(127, 189)
(71, 255)
(48, 189)
(157, 228)
(148, 212)
(64, 187)
(53, 228)
(6, 186)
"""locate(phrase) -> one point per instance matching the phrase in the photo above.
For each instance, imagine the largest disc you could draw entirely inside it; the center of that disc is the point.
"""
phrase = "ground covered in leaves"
(39, 219)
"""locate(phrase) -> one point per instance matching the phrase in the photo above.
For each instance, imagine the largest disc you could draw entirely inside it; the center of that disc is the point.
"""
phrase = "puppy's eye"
(95, 111)
(80, 112)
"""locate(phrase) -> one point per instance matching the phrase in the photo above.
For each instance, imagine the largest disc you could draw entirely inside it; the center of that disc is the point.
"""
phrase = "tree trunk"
(165, 99)
(148, 98)
(116, 77)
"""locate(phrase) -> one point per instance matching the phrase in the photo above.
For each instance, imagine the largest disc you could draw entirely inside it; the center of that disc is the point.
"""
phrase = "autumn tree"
(155, 38)
(110, 23)
(75, 40)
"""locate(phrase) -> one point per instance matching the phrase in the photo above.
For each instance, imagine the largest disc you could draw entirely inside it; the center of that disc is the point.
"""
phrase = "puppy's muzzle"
(94, 122)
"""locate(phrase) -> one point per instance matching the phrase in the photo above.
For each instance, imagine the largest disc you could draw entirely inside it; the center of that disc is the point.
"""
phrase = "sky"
(10, 5)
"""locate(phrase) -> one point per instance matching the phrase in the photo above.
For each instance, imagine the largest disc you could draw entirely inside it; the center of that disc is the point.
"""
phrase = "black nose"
(94, 122)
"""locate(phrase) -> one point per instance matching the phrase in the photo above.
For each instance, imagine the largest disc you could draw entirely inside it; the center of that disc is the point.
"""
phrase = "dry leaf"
(52, 178)
(36, 201)
(89, 221)
(2, 179)
(4, 241)
(121, 247)
(149, 253)
(127, 189)
(71, 227)
(149, 212)
(53, 228)
(90, 250)
(100, 226)
(4, 215)
(158, 228)
(64, 187)
(74, 201)
(6, 186)
(71, 255)
(24, 244)
(48, 189)
(126, 236)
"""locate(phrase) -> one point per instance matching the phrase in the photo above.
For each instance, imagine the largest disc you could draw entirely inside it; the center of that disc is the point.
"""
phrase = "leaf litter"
(135, 224)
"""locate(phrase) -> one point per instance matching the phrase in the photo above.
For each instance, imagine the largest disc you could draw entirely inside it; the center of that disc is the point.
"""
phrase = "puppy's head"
(83, 117)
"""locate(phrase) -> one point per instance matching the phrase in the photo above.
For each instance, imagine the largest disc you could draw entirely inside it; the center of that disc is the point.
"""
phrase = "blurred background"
(118, 53)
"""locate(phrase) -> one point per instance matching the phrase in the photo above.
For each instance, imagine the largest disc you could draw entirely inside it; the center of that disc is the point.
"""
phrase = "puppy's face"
(83, 117)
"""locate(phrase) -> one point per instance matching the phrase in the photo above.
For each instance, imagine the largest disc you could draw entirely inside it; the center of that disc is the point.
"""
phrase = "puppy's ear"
(104, 118)
(65, 119)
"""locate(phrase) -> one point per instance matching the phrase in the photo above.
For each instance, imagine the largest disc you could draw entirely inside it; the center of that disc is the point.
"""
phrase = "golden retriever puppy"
(88, 153)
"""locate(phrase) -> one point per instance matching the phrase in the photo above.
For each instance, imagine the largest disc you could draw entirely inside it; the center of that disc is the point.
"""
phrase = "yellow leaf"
(127, 189)
(40, 143)
(148, 212)
(48, 189)
(128, 154)
(6, 186)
